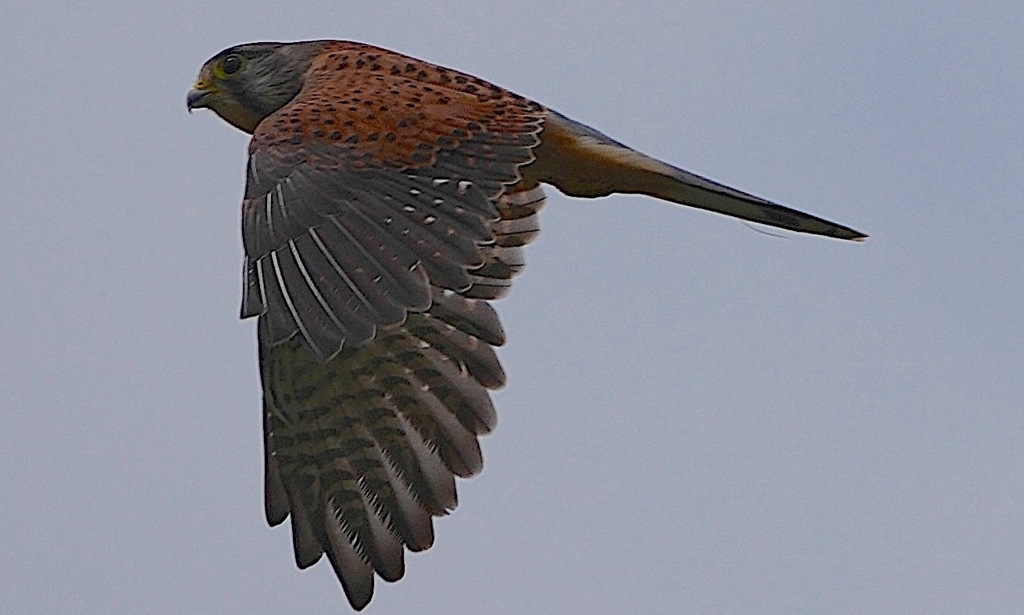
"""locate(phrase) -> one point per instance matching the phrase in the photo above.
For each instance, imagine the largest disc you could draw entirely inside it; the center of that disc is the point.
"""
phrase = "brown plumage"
(387, 201)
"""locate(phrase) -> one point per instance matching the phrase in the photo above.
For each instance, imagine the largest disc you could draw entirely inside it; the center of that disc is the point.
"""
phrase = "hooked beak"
(199, 96)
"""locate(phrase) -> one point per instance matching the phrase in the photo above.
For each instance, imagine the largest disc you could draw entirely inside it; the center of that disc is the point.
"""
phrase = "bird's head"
(246, 83)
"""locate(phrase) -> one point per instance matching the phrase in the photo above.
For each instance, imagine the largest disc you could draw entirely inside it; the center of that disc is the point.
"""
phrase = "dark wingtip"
(849, 234)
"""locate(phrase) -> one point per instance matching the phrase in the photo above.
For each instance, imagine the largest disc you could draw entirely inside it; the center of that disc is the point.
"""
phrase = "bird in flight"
(387, 201)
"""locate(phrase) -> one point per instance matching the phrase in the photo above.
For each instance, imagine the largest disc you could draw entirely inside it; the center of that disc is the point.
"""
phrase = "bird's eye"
(231, 64)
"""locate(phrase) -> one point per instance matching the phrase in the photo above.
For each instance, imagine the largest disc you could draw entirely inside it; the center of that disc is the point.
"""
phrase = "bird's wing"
(377, 181)
(375, 232)
(363, 450)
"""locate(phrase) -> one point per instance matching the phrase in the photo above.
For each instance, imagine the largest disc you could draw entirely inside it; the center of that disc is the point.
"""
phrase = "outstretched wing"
(375, 232)
(363, 450)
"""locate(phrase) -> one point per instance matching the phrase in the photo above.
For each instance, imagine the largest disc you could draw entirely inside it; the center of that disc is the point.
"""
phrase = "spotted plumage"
(387, 201)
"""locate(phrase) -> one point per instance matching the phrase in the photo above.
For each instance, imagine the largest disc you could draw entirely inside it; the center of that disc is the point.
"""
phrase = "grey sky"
(700, 418)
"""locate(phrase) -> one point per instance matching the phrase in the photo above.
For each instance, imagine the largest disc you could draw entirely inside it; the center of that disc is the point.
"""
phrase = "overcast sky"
(700, 418)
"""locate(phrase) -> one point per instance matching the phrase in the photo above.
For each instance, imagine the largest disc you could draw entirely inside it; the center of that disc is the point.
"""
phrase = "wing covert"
(354, 208)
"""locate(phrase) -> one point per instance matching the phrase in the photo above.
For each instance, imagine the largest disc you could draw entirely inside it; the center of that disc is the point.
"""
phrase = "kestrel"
(387, 201)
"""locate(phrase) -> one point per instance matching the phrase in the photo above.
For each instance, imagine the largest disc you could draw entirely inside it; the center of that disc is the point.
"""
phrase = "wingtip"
(842, 232)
